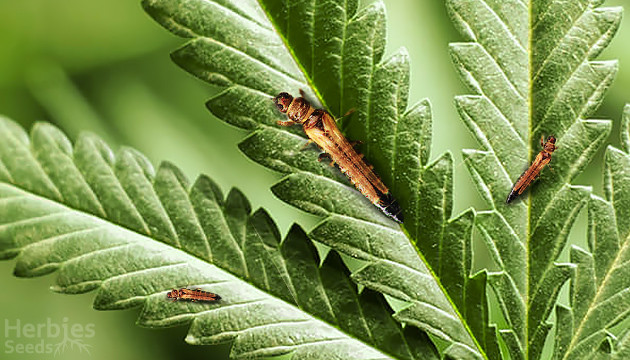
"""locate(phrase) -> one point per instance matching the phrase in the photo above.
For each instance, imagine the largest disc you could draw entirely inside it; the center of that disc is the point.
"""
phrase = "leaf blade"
(131, 263)
(600, 289)
(529, 66)
(396, 140)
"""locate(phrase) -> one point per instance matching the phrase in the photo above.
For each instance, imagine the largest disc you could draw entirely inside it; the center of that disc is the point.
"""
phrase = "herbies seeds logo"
(48, 337)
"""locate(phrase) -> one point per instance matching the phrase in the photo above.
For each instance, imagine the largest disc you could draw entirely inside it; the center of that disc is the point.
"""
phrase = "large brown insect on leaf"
(334, 51)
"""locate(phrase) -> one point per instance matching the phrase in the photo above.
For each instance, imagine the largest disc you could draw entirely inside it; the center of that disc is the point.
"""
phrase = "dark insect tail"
(512, 196)
(390, 207)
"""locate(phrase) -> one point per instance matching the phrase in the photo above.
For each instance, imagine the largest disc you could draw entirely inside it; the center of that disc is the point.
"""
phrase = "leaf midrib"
(530, 104)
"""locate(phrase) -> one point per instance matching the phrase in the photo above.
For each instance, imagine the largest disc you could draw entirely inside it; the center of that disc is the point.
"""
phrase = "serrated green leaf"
(600, 289)
(623, 347)
(529, 65)
(334, 52)
(109, 222)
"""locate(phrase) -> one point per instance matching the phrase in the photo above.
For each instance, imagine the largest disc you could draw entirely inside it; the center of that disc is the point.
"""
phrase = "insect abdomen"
(390, 206)
(208, 296)
(365, 180)
(198, 295)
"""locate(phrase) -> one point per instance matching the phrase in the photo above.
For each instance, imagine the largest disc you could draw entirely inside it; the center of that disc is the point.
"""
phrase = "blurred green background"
(104, 67)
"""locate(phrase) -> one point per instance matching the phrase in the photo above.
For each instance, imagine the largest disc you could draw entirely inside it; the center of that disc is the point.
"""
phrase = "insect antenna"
(347, 114)
(345, 123)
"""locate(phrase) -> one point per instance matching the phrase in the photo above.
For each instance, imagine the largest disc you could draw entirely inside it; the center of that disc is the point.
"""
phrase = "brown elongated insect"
(192, 295)
(321, 128)
(542, 159)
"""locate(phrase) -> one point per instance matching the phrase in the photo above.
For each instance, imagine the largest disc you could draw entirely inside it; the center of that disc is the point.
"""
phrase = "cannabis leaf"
(600, 288)
(112, 223)
(530, 66)
(333, 51)
(623, 347)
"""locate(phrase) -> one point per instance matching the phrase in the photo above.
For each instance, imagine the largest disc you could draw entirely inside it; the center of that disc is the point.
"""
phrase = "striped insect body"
(192, 295)
(321, 128)
(542, 159)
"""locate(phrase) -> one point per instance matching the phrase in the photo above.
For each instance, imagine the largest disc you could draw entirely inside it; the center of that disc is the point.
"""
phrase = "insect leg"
(303, 95)
(286, 123)
(327, 156)
(542, 141)
(356, 142)
(344, 124)
(323, 156)
(308, 143)
(348, 113)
